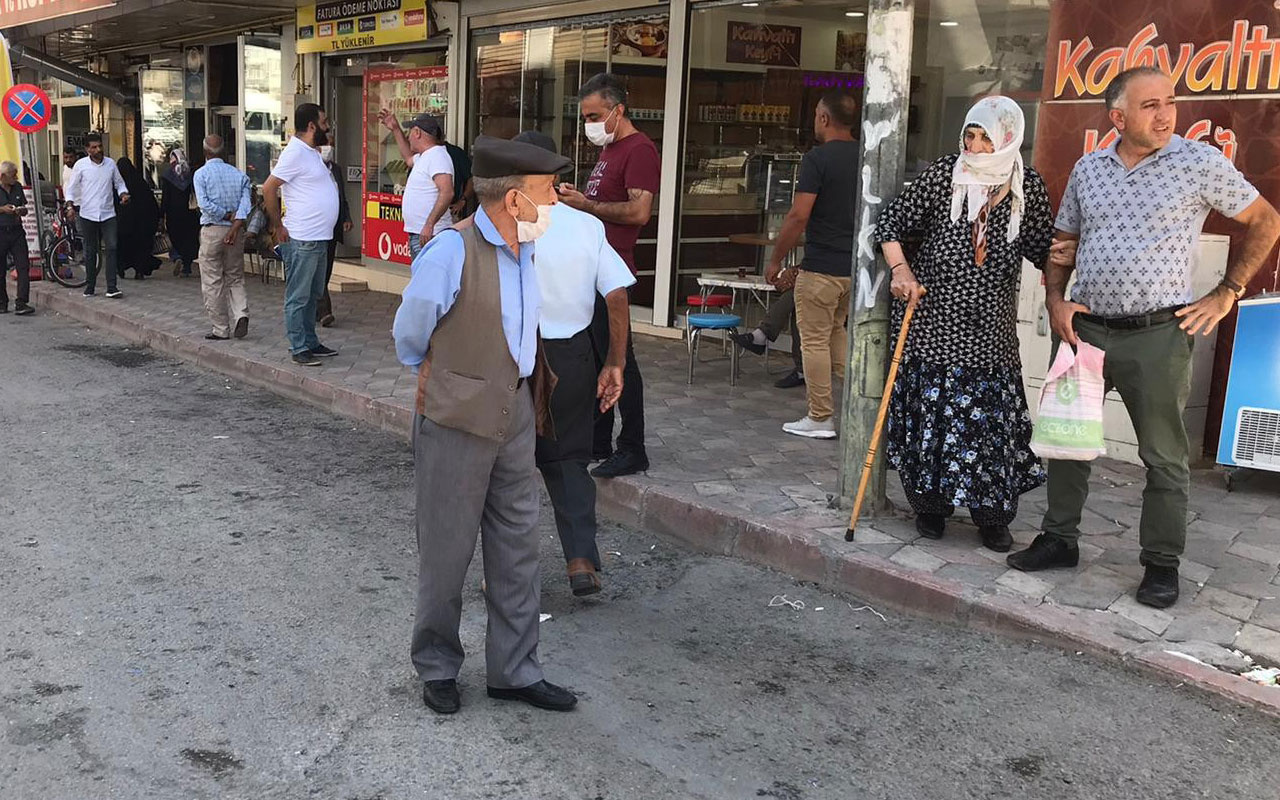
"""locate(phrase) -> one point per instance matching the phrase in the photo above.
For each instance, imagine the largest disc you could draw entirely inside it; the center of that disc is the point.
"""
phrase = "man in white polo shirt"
(92, 191)
(429, 191)
(311, 211)
(575, 264)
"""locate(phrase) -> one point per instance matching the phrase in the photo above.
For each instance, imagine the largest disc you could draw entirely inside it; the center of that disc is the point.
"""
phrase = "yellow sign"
(350, 24)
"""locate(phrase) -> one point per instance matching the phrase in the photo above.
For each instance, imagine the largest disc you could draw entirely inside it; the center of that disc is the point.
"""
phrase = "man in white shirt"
(92, 191)
(303, 234)
(429, 190)
(575, 264)
(69, 159)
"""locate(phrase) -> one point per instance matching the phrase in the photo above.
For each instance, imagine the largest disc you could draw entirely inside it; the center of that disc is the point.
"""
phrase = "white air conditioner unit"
(1257, 443)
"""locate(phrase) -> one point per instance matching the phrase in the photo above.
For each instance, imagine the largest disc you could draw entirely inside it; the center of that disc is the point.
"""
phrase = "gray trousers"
(781, 312)
(467, 485)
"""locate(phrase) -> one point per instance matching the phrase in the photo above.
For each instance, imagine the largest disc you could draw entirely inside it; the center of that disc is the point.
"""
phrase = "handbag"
(1069, 427)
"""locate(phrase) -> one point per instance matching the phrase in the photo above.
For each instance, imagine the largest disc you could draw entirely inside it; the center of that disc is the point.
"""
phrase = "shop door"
(347, 102)
(222, 121)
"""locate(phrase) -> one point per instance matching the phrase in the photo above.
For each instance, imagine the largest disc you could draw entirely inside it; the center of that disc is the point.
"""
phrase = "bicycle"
(64, 251)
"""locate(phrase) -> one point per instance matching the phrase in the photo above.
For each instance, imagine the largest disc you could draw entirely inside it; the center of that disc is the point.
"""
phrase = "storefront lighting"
(949, 24)
(750, 5)
(855, 14)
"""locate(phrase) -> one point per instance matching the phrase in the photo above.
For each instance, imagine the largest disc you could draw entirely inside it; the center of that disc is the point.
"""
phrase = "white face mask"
(598, 132)
(326, 152)
(528, 231)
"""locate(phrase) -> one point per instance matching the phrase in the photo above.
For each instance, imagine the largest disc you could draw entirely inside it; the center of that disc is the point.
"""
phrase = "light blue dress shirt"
(437, 279)
(220, 190)
(575, 263)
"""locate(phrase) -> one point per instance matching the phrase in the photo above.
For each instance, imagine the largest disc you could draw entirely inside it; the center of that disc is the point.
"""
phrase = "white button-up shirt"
(574, 263)
(93, 188)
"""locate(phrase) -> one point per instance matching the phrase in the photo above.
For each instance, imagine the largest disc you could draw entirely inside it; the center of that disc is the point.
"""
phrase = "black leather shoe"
(1046, 552)
(748, 342)
(997, 538)
(542, 695)
(442, 696)
(1159, 588)
(790, 381)
(621, 463)
(931, 526)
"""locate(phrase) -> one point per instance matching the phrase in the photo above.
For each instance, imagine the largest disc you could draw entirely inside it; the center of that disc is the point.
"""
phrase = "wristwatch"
(1235, 288)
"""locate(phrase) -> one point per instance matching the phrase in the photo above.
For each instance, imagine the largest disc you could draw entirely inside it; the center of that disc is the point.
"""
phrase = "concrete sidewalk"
(726, 479)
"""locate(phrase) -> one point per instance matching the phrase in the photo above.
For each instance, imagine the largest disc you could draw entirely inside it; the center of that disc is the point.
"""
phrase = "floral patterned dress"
(959, 431)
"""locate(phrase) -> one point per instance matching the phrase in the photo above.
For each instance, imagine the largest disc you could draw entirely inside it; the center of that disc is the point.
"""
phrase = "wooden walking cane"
(884, 411)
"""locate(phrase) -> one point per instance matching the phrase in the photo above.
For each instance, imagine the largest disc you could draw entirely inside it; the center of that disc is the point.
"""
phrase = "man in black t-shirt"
(823, 207)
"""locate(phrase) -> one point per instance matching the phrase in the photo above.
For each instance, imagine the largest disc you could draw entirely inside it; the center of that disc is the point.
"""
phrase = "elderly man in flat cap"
(468, 322)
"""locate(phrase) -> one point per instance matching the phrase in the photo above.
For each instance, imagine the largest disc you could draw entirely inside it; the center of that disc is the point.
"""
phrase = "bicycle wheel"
(64, 262)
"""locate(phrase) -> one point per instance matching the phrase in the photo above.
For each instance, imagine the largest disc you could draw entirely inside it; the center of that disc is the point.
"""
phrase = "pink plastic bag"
(1069, 427)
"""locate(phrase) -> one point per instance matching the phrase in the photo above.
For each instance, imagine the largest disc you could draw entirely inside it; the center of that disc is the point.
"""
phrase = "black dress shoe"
(748, 342)
(621, 463)
(542, 695)
(1159, 588)
(442, 696)
(931, 526)
(790, 381)
(213, 337)
(997, 538)
(1046, 552)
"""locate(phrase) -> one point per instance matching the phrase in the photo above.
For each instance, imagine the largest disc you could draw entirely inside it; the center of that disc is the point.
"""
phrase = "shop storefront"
(376, 54)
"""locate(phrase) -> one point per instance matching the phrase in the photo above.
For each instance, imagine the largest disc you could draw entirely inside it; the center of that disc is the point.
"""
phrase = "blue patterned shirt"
(221, 189)
(1140, 228)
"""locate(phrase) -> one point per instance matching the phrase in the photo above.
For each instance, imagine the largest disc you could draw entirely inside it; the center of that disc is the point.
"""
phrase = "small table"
(755, 286)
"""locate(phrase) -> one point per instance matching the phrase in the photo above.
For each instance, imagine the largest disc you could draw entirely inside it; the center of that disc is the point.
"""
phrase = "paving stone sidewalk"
(726, 478)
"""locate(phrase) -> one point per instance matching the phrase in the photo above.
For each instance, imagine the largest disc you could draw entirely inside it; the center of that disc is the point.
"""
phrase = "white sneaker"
(811, 429)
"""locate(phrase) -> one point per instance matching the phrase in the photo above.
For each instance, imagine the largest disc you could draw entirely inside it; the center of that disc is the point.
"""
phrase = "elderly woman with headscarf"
(181, 214)
(136, 223)
(959, 431)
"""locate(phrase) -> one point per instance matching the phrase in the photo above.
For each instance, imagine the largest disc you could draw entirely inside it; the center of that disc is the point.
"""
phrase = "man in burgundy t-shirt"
(620, 191)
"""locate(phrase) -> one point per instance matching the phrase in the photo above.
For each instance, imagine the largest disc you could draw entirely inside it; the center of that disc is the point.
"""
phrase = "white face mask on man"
(598, 132)
(528, 231)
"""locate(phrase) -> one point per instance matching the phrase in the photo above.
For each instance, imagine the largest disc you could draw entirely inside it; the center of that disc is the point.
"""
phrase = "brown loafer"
(583, 579)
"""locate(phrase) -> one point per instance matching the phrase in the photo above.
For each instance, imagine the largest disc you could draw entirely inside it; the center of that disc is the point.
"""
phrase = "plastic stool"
(713, 322)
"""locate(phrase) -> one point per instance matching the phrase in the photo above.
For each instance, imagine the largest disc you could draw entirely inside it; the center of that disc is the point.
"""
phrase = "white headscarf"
(977, 175)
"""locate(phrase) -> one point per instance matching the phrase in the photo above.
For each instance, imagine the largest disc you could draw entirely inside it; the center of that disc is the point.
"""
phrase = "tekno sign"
(766, 45)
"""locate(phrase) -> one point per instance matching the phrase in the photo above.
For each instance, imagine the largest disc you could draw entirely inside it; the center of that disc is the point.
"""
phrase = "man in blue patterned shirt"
(1135, 211)
(223, 193)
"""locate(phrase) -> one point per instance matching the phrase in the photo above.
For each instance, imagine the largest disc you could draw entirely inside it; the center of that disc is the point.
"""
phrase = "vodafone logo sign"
(384, 246)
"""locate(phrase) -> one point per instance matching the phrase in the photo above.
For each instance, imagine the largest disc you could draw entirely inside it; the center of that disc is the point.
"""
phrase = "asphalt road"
(207, 593)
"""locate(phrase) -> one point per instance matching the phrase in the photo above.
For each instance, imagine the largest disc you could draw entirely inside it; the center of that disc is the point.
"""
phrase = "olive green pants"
(1151, 369)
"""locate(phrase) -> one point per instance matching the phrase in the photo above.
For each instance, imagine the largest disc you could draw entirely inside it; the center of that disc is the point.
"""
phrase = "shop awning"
(142, 24)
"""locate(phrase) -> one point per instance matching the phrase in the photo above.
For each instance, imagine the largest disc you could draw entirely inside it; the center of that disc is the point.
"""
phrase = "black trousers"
(13, 241)
(324, 306)
(563, 461)
(631, 404)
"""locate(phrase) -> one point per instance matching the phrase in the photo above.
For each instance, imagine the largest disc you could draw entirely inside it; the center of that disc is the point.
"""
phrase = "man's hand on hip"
(609, 387)
(1062, 315)
(1203, 315)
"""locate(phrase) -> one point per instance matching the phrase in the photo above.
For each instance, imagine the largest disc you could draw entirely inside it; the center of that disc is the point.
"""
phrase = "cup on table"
(742, 273)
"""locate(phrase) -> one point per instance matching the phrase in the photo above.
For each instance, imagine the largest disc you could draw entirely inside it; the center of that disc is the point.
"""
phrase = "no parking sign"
(26, 108)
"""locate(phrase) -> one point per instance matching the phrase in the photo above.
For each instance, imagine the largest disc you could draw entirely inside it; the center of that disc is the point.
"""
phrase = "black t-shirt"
(461, 169)
(831, 172)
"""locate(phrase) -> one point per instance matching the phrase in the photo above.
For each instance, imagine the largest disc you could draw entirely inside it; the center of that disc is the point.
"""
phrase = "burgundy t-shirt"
(630, 163)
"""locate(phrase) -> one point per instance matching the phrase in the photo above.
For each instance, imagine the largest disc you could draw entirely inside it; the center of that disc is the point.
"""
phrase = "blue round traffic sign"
(26, 108)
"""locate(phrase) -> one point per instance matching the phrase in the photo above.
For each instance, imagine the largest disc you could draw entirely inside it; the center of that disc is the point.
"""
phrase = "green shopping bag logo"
(1068, 390)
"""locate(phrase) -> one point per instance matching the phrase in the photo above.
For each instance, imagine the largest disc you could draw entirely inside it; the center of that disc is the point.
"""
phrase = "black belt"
(1150, 320)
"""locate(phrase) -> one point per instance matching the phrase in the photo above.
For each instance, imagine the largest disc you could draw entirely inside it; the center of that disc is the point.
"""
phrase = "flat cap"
(492, 157)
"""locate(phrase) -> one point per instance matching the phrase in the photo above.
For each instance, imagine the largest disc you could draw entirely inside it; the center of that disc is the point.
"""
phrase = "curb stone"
(800, 552)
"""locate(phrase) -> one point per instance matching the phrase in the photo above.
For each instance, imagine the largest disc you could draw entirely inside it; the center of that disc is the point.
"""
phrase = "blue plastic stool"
(713, 322)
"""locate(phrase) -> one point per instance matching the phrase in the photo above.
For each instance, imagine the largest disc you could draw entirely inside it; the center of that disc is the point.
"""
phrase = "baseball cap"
(428, 124)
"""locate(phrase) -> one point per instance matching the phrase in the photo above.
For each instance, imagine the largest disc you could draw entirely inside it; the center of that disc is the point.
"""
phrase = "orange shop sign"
(24, 12)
